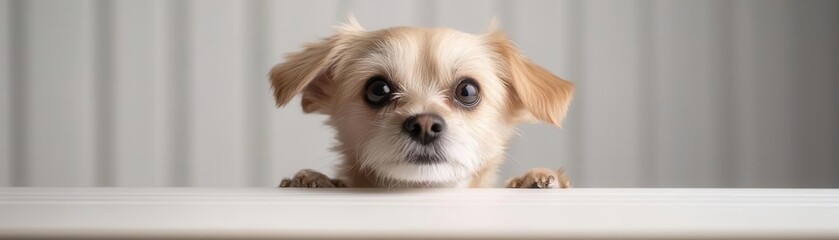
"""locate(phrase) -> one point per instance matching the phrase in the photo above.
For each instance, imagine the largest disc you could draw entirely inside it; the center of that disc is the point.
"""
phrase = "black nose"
(424, 128)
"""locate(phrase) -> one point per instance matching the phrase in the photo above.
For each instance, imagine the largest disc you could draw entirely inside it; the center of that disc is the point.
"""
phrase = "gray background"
(174, 93)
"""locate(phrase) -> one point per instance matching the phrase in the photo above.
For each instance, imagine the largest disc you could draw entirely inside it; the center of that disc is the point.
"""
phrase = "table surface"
(242, 213)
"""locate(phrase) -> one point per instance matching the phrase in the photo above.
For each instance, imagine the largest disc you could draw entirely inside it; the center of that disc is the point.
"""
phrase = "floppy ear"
(305, 72)
(544, 95)
(309, 71)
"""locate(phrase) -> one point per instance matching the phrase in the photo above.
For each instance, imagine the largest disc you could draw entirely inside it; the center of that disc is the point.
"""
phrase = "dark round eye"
(467, 92)
(378, 91)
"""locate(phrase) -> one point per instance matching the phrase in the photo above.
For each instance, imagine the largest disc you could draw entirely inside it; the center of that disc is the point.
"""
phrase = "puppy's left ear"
(542, 94)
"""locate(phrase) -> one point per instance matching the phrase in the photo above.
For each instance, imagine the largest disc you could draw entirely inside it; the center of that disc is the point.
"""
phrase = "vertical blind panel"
(216, 75)
(743, 75)
(260, 103)
(833, 138)
(5, 95)
(137, 159)
(689, 81)
(815, 66)
(472, 16)
(568, 26)
(767, 127)
(609, 95)
(298, 140)
(375, 15)
(542, 36)
(162, 78)
(818, 107)
(60, 93)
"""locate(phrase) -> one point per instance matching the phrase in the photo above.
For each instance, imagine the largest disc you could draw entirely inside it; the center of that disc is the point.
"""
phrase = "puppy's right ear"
(309, 71)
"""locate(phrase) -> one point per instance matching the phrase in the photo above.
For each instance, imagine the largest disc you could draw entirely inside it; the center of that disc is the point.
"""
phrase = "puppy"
(420, 107)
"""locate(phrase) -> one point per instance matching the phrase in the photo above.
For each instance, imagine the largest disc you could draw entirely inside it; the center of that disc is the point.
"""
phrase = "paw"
(308, 178)
(540, 178)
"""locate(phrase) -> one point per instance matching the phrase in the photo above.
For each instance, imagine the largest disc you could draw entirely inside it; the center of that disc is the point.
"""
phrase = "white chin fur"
(427, 173)
(385, 157)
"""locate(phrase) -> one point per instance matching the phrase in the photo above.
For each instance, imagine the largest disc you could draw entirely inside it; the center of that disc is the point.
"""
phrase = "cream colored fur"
(425, 64)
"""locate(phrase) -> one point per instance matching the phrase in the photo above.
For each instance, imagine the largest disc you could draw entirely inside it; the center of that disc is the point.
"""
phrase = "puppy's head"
(420, 105)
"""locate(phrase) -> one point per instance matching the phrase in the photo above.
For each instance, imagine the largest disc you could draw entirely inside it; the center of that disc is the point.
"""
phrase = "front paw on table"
(540, 178)
(308, 178)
